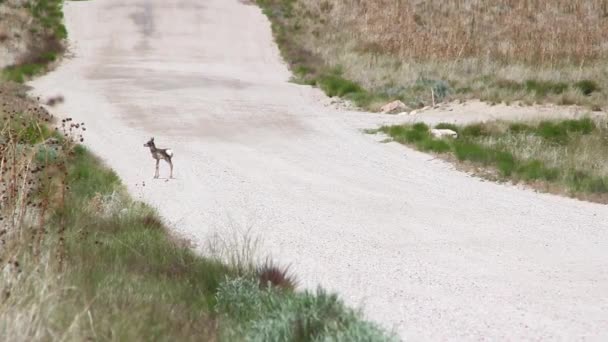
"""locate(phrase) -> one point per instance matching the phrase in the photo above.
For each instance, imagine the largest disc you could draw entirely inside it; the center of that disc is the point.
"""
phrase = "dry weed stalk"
(33, 178)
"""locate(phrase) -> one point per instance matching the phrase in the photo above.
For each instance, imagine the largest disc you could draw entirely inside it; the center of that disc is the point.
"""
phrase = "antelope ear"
(152, 139)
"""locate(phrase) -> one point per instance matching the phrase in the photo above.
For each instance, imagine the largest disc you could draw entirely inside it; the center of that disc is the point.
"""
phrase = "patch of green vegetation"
(22, 72)
(47, 22)
(544, 88)
(509, 84)
(561, 132)
(418, 135)
(50, 14)
(336, 85)
(587, 87)
(584, 181)
(272, 315)
(475, 131)
(505, 148)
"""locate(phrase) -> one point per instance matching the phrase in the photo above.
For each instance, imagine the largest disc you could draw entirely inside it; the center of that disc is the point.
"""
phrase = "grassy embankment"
(500, 51)
(563, 157)
(47, 25)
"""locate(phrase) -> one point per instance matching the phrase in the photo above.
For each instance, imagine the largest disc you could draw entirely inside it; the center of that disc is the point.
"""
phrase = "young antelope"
(160, 153)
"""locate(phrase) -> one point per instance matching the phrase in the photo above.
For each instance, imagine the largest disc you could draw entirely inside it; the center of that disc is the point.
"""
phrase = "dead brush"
(32, 177)
(272, 275)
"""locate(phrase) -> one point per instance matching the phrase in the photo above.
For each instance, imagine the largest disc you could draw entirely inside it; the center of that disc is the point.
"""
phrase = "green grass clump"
(587, 87)
(87, 178)
(335, 85)
(518, 127)
(561, 132)
(469, 150)
(566, 154)
(544, 88)
(22, 72)
(475, 131)
(270, 315)
(585, 181)
(417, 134)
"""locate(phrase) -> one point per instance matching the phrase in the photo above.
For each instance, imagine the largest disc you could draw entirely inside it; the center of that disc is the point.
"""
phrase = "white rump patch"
(169, 152)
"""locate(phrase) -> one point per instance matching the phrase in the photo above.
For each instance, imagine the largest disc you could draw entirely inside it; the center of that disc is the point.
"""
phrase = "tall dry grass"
(458, 48)
(547, 33)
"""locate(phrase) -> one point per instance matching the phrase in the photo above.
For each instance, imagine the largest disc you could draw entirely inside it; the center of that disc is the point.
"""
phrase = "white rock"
(440, 133)
(393, 106)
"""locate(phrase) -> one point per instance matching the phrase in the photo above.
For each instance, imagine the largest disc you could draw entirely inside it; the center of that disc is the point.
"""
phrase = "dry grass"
(459, 49)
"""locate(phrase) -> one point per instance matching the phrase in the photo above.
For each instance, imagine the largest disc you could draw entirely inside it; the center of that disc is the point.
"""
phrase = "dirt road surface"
(426, 250)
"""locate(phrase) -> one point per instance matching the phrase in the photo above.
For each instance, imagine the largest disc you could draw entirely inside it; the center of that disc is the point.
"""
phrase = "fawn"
(160, 153)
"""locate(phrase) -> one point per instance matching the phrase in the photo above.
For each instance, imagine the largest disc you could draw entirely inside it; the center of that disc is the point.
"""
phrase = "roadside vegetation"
(497, 51)
(564, 157)
(36, 28)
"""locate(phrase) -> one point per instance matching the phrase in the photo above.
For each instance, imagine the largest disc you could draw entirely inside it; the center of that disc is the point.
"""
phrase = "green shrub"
(587, 87)
(87, 178)
(505, 163)
(543, 88)
(395, 131)
(256, 314)
(434, 145)
(509, 84)
(560, 132)
(552, 132)
(583, 126)
(519, 128)
(334, 85)
(585, 182)
(441, 90)
(532, 170)
(467, 150)
(421, 127)
(412, 135)
(474, 131)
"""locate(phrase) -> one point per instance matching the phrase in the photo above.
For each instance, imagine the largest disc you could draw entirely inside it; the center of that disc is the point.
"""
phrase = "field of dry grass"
(499, 50)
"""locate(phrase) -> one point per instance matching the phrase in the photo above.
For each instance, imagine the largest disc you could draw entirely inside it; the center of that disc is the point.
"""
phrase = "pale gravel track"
(427, 250)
